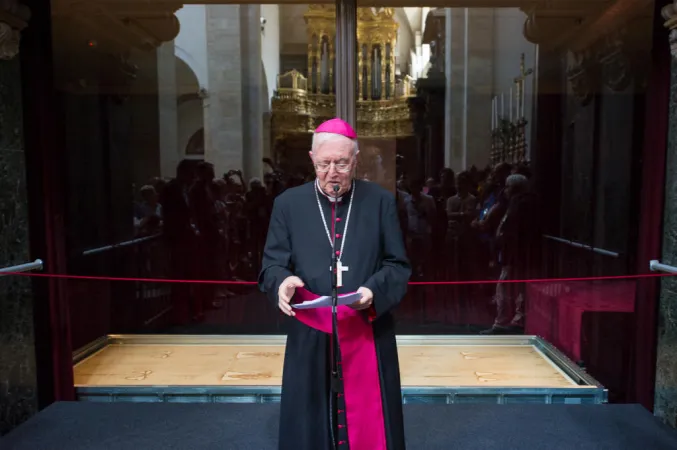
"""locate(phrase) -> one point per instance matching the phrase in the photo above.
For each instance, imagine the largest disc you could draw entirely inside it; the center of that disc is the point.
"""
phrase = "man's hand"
(365, 301)
(286, 292)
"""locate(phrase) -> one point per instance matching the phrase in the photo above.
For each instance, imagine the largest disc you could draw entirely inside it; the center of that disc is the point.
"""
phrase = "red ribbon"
(411, 283)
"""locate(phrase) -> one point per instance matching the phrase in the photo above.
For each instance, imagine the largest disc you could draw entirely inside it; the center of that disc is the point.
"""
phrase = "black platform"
(151, 426)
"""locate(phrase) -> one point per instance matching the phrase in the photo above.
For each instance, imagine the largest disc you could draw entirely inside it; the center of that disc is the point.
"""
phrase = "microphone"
(335, 383)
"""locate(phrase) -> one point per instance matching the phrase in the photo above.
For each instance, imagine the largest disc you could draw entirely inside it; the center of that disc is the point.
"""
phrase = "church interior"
(179, 124)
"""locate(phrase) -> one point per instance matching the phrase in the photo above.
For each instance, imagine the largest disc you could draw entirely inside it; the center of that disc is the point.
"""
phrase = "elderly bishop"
(357, 220)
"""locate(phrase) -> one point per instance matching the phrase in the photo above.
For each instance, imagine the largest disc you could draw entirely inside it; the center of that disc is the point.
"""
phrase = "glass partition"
(576, 345)
(516, 167)
(180, 128)
(511, 140)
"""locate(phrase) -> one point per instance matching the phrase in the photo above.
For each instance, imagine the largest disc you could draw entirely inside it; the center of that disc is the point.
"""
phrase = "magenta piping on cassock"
(359, 368)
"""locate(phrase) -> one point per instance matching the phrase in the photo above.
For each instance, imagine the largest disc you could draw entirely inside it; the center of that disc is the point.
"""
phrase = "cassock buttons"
(338, 253)
(338, 219)
(338, 236)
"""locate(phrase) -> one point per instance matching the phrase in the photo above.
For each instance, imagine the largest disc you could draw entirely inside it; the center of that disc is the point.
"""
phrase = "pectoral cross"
(340, 268)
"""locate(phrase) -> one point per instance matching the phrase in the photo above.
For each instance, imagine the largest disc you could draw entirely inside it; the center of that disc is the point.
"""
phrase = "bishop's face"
(334, 162)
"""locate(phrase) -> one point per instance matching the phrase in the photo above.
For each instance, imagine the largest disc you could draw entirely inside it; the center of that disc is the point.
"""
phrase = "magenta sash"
(359, 366)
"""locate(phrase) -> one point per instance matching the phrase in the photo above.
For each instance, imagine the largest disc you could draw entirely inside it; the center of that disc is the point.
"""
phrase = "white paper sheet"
(325, 301)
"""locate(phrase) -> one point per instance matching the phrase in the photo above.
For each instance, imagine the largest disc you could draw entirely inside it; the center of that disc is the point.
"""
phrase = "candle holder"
(508, 141)
(503, 141)
(495, 153)
(521, 141)
(512, 149)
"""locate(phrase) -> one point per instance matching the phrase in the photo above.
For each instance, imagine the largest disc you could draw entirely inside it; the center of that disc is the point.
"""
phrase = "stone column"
(270, 50)
(418, 38)
(458, 87)
(448, 110)
(468, 107)
(666, 359)
(479, 69)
(18, 375)
(233, 114)
(223, 126)
(346, 34)
(252, 91)
(170, 154)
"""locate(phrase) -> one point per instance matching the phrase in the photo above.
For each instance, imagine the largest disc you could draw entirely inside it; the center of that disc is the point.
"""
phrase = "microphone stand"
(335, 350)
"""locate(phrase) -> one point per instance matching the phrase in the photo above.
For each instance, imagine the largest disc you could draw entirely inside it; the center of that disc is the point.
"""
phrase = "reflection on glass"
(511, 141)
(510, 153)
(174, 158)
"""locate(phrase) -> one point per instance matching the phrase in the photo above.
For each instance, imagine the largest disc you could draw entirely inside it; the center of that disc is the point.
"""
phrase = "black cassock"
(297, 244)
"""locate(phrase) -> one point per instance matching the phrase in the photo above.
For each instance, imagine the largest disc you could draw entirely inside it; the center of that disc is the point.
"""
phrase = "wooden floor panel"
(259, 365)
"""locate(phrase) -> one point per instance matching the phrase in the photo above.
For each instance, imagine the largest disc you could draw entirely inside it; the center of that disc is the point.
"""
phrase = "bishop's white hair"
(321, 138)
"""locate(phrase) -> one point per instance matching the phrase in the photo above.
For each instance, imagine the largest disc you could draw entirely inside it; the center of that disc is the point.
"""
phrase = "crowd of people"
(474, 225)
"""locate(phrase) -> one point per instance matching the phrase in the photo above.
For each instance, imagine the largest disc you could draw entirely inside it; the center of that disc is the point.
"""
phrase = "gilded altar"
(303, 101)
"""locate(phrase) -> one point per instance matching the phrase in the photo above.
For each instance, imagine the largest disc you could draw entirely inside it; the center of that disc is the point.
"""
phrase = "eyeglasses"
(324, 167)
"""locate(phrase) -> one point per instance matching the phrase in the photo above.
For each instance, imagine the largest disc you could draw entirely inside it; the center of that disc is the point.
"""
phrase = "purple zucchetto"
(337, 126)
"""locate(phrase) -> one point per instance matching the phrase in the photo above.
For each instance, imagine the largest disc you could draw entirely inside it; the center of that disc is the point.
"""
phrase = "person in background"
(421, 216)
(518, 237)
(148, 217)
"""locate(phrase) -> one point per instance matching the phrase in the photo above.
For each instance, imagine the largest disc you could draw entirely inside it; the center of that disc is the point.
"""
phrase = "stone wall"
(18, 399)
(665, 405)
(666, 364)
